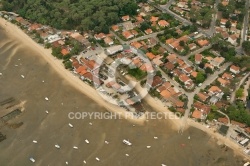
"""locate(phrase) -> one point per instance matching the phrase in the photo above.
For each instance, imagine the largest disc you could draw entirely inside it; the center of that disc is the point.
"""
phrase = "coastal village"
(169, 51)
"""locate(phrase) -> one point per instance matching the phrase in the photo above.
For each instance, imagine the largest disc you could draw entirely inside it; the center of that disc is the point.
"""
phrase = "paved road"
(245, 22)
(238, 86)
(152, 35)
(208, 81)
(211, 30)
(117, 37)
(138, 38)
(244, 30)
(165, 9)
(169, 49)
(196, 52)
(173, 82)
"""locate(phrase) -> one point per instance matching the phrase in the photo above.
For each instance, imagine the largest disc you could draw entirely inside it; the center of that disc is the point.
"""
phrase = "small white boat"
(42, 80)
(84, 162)
(148, 147)
(189, 137)
(133, 125)
(127, 155)
(155, 137)
(90, 123)
(47, 112)
(87, 141)
(127, 142)
(66, 163)
(57, 146)
(1, 74)
(46, 98)
(97, 159)
(32, 159)
(163, 165)
(16, 65)
(106, 142)
(70, 125)
(34, 141)
(75, 147)
(22, 76)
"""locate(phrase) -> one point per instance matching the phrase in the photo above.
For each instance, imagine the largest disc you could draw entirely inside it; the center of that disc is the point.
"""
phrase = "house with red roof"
(64, 51)
(99, 36)
(202, 42)
(108, 41)
(115, 28)
(157, 81)
(154, 19)
(127, 34)
(150, 55)
(214, 90)
(125, 18)
(197, 114)
(227, 76)
(35, 26)
(148, 31)
(92, 65)
(163, 23)
(198, 58)
(234, 69)
(223, 82)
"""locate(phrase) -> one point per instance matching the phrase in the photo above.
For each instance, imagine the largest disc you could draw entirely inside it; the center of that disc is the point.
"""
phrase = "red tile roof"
(65, 51)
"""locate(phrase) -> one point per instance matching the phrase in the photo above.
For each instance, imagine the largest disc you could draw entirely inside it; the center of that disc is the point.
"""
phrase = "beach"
(57, 65)
(68, 93)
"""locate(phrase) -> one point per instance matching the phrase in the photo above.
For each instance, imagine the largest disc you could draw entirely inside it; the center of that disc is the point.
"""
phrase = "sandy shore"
(219, 138)
(14, 32)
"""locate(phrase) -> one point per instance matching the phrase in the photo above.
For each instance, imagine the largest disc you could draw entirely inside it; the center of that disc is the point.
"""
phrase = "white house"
(234, 69)
(114, 49)
(232, 39)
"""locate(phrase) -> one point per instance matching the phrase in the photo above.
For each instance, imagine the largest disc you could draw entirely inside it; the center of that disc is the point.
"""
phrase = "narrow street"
(211, 30)
(208, 81)
(244, 30)
(238, 86)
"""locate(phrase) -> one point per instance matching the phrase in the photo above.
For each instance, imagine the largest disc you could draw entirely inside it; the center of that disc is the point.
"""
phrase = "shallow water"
(170, 148)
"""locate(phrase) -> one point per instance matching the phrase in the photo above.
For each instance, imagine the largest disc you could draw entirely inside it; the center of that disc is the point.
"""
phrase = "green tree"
(68, 65)
(228, 24)
(73, 14)
(239, 93)
(208, 70)
(246, 46)
(200, 78)
(182, 43)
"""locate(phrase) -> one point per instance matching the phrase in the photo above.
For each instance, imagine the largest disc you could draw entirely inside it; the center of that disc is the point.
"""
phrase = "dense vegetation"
(227, 11)
(246, 47)
(95, 15)
(238, 113)
(137, 73)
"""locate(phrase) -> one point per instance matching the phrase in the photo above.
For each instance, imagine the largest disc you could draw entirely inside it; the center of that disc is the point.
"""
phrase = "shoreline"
(15, 32)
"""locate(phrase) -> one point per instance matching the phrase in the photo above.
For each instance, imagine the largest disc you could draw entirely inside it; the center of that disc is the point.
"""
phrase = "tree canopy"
(246, 46)
(94, 15)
